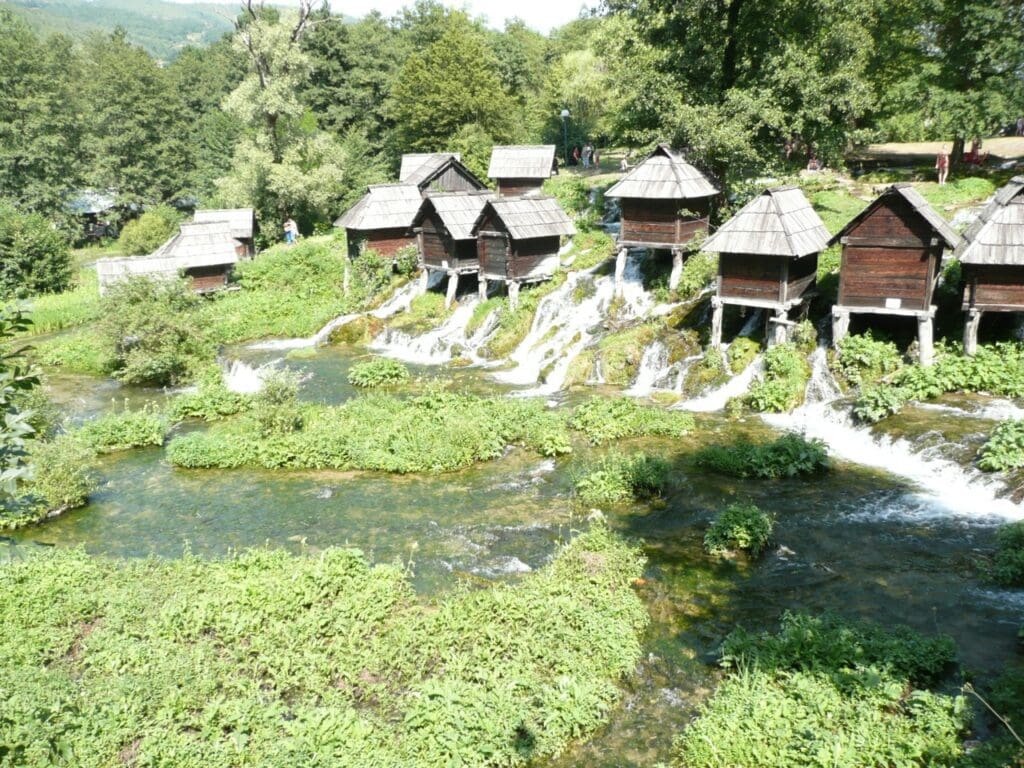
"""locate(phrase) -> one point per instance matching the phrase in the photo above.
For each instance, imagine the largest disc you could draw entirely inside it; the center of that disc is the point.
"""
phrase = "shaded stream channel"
(864, 541)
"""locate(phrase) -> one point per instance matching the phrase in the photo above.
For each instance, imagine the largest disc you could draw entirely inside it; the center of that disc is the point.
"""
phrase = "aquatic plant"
(1007, 565)
(741, 353)
(605, 419)
(426, 311)
(210, 400)
(863, 359)
(828, 691)
(309, 660)
(1004, 448)
(120, 430)
(781, 387)
(616, 478)
(787, 456)
(378, 372)
(739, 527)
(620, 352)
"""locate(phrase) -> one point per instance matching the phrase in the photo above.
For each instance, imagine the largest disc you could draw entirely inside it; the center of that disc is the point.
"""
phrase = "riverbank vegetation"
(739, 528)
(378, 372)
(1007, 566)
(616, 478)
(781, 386)
(336, 663)
(787, 456)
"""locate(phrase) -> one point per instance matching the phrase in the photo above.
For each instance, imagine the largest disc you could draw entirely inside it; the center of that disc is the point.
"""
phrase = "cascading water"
(653, 367)
(433, 347)
(942, 486)
(245, 379)
(717, 399)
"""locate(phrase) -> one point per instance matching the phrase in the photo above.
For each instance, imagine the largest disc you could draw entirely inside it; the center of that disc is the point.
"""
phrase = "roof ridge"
(782, 217)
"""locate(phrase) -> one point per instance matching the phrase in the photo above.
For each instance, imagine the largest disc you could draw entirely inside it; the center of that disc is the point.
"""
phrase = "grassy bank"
(313, 661)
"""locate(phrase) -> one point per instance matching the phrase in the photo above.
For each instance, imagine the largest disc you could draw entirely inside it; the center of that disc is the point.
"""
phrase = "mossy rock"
(682, 344)
(621, 352)
(705, 374)
(580, 369)
(359, 331)
(742, 352)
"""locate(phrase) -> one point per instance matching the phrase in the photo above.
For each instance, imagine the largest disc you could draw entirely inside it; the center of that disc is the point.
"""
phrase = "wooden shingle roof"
(529, 217)
(418, 167)
(240, 222)
(664, 175)
(778, 222)
(384, 206)
(458, 211)
(997, 236)
(522, 162)
(917, 203)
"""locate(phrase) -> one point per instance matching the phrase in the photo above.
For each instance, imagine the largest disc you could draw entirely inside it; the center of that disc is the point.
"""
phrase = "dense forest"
(295, 112)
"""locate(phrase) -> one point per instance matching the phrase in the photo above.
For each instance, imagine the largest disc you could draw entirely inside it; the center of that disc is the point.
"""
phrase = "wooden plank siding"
(438, 250)
(657, 223)
(743, 276)
(516, 187)
(495, 253)
(802, 277)
(993, 288)
(386, 242)
(207, 279)
(890, 260)
(453, 179)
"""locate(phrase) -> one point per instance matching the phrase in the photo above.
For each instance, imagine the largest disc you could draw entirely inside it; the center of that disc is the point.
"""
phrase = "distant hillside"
(162, 28)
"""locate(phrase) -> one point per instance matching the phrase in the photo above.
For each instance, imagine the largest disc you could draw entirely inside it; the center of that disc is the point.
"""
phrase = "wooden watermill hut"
(768, 258)
(439, 172)
(521, 169)
(382, 220)
(518, 239)
(991, 256)
(240, 223)
(205, 252)
(665, 203)
(892, 258)
(444, 234)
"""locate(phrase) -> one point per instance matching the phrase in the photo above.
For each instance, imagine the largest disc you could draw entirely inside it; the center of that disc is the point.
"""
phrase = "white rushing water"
(941, 486)
(245, 379)
(434, 347)
(717, 399)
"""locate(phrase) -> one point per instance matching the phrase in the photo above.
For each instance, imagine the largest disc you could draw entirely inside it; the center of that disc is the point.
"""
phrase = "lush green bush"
(862, 359)
(433, 432)
(1007, 566)
(62, 477)
(606, 419)
(621, 352)
(618, 478)
(34, 257)
(1004, 449)
(589, 248)
(741, 527)
(741, 353)
(407, 260)
(378, 372)
(148, 232)
(876, 402)
(153, 328)
(279, 661)
(823, 691)
(17, 381)
(210, 400)
(699, 271)
(570, 191)
(371, 270)
(275, 408)
(788, 456)
(785, 378)
(82, 350)
(120, 430)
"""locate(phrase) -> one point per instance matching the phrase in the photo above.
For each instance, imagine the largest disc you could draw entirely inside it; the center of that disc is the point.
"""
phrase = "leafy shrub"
(699, 271)
(34, 257)
(378, 372)
(63, 475)
(1007, 566)
(407, 260)
(371, 270)
(570, 191)
(605, 419)
(876, 402)
(328, 661)
(1004, 449)
(148, 232)
(152, 327)
(124, 429)
(275, 407)
(17, 381)
(617, 478)
(741, 527)
(824, 691)
(782, 386)
(741, 353)
(83, 350)
(862, 359)
(788, 456)
(210, 401)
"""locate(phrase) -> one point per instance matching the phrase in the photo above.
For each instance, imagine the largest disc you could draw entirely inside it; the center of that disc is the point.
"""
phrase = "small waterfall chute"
(433, 347)
(717, 399)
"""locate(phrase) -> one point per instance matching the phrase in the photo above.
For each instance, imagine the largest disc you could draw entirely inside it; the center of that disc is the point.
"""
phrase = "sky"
(541, 15)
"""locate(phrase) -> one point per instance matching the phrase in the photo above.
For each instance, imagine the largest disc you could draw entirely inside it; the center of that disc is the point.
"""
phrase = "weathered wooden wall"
(803, 276)
(494, 255)
(453, 179)
(436, 248)
(889, 261)
(515, 187)
(206, 279)
(744, 276)
(532, 259)
(993, 288)
(386, 242)
(658, 223)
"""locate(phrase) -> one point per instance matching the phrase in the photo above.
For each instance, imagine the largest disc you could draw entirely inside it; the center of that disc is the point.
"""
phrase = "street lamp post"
(565, 134)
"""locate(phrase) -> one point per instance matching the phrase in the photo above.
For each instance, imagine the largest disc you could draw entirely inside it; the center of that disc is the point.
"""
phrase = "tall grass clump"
(378, 372)
(309, 660)
(788, 456)
(740, 528)
(62, 475)
(617, 478)
(826, 691)
(210, 400)
(606, 419)
(51, 312)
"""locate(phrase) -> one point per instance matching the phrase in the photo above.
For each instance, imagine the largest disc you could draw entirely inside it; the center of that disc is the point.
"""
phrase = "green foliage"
(56, 311)
(1007, 566)
(590, 247)
(782, 386)
(863, 359)
(876, 402)
(788, 456)
(148, 232)
(740, 527)
(426, 311)
(407, 260)
(570, 191)
(34, 257)
(958, 191)
(621, 352)
(153, 327)
(513, 326)
(82, 350)
(63, 475)
(827, 691)
(329, 661)
(616, 478)
(378, 372)
(17, 379)
(433, 432)
(699, 270)
(120, 430)
(275, 408)
(605, 419)
(211, 400)
(1004, 448)
(474, 144)
(741, 353)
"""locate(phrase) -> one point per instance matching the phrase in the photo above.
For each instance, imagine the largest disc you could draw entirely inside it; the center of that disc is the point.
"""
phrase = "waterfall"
(653, 368)
(403, 297)
(717, 399)
(750, 327)
(433, 347)
(822, 386)
(245, 379)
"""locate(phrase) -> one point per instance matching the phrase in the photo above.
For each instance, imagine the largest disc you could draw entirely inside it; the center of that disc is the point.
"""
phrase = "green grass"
(121, 430)
(958, 192)
(620, 352)
(616, 478)
(788, 456)
(378, 372)
(58, 311)
(275, 660)
(602, 420)
(836, 207)
(426, 311)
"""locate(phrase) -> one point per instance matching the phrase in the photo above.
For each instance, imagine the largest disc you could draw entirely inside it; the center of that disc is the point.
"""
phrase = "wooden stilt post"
(424, 280)
(482, 288)
(926, 348)
(513, 295)
(453, 288)
(840, 324)
(620, 269)
(717, 310)
(778, 328)
(971, 332)
(677, 269)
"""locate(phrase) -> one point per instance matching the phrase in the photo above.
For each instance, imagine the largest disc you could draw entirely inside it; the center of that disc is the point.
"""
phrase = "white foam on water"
(653, 367)
(245, 379)
(433, 347)
(717, 399)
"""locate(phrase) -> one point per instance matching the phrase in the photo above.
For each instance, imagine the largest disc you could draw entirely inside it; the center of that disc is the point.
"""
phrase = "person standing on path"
(587, 151)
(1020, 126)
(291, 231)
(942, 165)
